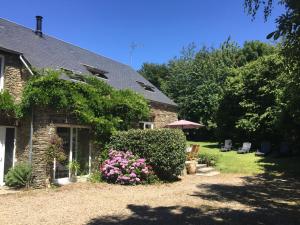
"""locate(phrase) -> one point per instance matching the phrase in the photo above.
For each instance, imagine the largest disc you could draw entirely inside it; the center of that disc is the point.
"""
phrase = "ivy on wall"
(91, 101)
(7, 106)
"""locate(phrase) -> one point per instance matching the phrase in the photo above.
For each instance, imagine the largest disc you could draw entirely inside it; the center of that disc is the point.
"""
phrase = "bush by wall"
(19, 176)
(164, 149)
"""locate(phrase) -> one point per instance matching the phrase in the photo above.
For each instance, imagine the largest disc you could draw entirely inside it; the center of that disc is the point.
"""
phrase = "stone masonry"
(163, 114)
(15, 75)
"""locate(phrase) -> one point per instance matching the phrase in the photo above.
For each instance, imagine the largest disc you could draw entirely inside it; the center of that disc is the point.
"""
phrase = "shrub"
(19, 176)
(7, 106)
(164, 149)
(96, 177)
(208, 159)
(124, 168)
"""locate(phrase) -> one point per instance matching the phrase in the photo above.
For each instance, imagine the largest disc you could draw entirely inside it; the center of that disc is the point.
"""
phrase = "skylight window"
(97, 72)
(146, 86)
(73, 76)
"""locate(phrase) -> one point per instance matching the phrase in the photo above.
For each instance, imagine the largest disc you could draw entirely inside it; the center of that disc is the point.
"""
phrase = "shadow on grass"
(284, 166)
(211, 146)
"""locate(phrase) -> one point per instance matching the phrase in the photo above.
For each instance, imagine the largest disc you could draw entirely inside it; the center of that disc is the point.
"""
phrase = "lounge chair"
(227, 146)
(265, 149)
(193, 154)
(188, 149)
(245, 148)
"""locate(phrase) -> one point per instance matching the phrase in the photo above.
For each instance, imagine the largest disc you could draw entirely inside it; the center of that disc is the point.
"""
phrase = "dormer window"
(73, 76)
(97, 72)
(146, 86)
(1, 72)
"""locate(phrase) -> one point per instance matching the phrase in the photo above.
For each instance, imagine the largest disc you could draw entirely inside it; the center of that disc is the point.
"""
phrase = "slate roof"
(49, 52)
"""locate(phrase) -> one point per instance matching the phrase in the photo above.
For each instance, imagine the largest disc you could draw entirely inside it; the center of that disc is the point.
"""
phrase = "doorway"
(77, 147)
(7, 151)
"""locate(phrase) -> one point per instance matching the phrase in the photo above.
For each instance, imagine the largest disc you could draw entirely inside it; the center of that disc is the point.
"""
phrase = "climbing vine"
(90, 100)
(7, 106)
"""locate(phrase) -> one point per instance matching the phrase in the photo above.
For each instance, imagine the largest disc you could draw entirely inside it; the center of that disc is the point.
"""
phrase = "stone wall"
(15, 75)
(163, 114)
(22, 140)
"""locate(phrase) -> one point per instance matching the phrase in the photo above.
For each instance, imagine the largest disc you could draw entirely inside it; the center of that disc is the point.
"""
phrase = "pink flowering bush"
(125, 168)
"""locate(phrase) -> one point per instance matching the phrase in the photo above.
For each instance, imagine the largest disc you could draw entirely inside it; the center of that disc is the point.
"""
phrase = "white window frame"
(145, 123)
(67, 180)
(2, 72)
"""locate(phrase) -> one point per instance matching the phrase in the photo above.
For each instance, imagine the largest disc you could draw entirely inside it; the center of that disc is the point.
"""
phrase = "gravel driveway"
(222, 199)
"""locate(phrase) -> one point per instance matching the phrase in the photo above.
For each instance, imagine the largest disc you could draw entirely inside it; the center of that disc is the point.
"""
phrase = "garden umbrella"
(184, 124)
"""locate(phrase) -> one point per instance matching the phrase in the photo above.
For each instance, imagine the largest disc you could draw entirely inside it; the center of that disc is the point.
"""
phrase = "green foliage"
(96, 177)
(92, 102)
(251, 106)
(164, 149)
(7, 106)
(288, 29)
(152, 179)
(157, 74)
(208, 158)
(195, 80)
(19, 176)
(55, 150)
(74, 167)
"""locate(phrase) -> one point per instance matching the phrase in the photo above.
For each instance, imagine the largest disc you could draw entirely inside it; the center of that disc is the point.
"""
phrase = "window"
(97, 72)
(1, 72)
(146, 125)
(73, 76)
(146, 86)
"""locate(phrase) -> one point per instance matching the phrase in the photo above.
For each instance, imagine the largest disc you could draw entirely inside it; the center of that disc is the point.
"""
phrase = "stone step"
(199, 166)
(205, 170)
(208, 174)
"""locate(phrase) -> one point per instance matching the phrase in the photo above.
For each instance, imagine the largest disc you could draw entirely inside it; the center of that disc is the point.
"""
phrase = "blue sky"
(160, 27)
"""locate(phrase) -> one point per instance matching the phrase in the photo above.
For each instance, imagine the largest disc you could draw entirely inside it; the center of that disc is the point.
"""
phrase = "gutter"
(30, 138)
(25, 64)
(31, 121)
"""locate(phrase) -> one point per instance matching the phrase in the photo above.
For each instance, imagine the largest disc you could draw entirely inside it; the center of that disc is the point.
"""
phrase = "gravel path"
(223, 199)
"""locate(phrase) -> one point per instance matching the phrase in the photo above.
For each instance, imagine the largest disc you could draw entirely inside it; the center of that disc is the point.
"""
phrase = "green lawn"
(249, 164)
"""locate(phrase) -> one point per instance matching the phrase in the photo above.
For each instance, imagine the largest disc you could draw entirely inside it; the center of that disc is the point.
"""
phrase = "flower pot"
(191, 166)
(73, 178)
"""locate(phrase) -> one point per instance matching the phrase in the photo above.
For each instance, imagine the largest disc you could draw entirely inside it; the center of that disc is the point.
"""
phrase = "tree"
(196, 80)
(252, 105)
(288, 28)
(157, 74)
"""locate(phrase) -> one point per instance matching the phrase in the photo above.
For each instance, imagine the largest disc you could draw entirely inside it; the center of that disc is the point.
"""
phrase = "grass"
(249, 164)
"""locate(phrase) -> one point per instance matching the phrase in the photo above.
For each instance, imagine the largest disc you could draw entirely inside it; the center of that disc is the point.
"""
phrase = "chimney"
(38, 30)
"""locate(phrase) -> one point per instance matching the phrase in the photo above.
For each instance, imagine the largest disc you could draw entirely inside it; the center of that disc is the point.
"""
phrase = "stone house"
(22, 49)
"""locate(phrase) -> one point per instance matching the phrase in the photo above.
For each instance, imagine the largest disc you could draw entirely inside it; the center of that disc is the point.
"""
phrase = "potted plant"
(74, 168)
(191, 166)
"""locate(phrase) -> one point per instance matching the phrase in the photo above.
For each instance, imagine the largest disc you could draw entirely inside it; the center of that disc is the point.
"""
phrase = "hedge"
(164, 149)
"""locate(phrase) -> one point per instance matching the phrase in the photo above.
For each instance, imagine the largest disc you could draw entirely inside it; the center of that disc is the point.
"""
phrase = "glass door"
(76, 145)
(61, 168)
(82, 150)
(7, 146)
